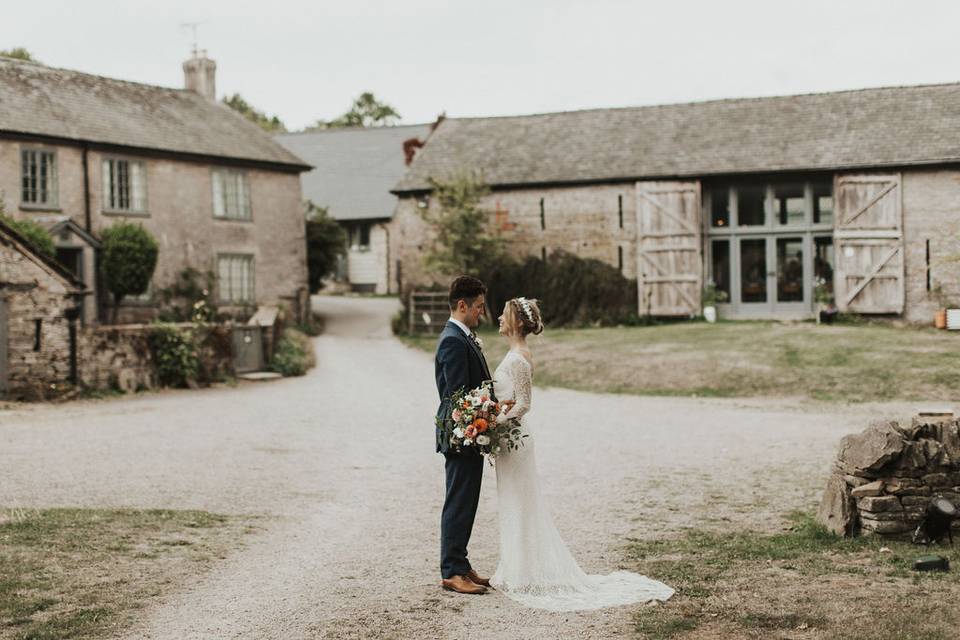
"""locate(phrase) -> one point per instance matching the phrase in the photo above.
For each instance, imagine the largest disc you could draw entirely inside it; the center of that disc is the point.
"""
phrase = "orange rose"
(480, 425)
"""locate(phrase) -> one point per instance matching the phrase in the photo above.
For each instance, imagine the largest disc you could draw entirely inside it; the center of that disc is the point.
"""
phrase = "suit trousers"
(464, 475)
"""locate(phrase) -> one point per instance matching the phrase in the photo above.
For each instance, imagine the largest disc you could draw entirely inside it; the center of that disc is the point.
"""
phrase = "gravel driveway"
(342, 462)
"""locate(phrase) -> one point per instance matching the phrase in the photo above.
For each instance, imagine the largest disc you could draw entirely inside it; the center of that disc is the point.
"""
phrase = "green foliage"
(466, 239)
(175, 355)
(326, 242)
(38, 237)
(129, 257)
(366, 111)
(293, 354)
(711, 295)
(270, 124)
(189, 299)
(20, 53)
(572, 290)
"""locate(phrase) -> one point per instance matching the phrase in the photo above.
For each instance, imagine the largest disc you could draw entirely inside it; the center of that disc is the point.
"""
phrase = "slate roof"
(894, 126)
(65, 104)
(354, 169)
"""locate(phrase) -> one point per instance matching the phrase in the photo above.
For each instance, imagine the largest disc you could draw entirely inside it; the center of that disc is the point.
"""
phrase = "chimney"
(199, 75)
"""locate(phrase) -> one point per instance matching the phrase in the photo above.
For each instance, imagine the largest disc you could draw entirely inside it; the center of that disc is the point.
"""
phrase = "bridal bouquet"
(473, 423)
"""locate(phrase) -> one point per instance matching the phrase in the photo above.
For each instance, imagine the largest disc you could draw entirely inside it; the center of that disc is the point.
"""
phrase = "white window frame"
(39, 196)
(124, 186)
(231, 194)
(233, 285)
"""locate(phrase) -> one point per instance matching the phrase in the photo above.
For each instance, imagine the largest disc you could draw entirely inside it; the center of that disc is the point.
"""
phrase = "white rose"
(476, 402)
(483, 440)
(458, 432)
(467, 441)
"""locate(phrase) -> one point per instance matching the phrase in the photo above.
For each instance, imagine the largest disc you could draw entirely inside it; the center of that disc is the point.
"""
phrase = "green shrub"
(573, 291)
(38, 237)
(293, 354)
(174, 355)
(129, 257)
(189, 298)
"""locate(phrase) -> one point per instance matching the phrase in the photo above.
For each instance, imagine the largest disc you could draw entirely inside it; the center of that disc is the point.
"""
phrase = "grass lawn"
(802, 583)
(745, 359)
(82, 573)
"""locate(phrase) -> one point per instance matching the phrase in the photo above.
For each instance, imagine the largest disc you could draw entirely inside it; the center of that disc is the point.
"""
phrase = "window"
(620, 209)
(720, 208)
(789, 204)
(543, 216)
(720, 261)
(231, 196)
(822, 204)
(124, 186)
(360, 236)
(38, 171)
(750, 206)
(235, 278)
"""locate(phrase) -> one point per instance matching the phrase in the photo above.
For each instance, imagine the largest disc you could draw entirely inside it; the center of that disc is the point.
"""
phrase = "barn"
(855, 191)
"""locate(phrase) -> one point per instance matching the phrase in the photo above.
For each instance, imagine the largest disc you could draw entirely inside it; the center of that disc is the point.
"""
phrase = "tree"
(37, 236)
(366, 111)
(129, 258)
(270, 124)
(326, 242)
(466, 239)
(19, 53)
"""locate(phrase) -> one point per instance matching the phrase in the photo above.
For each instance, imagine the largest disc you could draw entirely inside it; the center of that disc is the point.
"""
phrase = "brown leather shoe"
(476, 579)
(462, 584)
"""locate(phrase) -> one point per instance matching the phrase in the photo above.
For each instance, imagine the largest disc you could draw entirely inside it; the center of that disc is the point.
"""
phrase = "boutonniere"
(477, 340)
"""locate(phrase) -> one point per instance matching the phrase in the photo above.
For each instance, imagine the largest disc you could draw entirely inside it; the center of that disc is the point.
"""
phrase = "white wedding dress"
(536, 568)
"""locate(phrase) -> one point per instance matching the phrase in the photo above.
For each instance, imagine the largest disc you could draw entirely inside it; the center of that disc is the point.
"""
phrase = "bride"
(536, 568)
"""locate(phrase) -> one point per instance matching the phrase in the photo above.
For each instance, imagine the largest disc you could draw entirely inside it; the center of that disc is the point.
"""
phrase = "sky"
(308, 60)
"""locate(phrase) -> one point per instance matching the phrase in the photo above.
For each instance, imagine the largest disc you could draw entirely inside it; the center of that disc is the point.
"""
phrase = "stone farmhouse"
(79, 152)
(857, 190)
(354, 170)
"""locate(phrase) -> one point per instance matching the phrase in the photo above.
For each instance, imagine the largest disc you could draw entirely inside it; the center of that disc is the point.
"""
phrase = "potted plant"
(823, 297)
(712, 296)
(940, 315)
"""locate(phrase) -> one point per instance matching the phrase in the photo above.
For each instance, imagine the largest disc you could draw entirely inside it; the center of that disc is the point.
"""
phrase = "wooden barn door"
(670, 263)
(868, 235)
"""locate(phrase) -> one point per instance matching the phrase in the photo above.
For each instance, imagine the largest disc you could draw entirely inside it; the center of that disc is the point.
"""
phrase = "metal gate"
(247, 349)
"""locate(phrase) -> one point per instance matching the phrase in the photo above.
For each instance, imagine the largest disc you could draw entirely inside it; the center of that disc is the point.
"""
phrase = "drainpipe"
(386, 230)
(72, 313)
(88, 224)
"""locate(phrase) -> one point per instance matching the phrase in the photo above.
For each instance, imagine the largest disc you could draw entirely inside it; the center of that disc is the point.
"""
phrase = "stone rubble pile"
(885, 476)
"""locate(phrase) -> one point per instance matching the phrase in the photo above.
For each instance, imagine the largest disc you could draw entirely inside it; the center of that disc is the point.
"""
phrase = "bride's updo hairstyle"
(526, 316)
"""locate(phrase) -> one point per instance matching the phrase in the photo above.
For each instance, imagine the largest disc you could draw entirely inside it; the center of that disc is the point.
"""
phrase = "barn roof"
(36, 100)
(354, 169)
(893, 126)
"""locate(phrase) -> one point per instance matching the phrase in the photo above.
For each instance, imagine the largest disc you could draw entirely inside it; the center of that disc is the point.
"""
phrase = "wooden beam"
(873, 272)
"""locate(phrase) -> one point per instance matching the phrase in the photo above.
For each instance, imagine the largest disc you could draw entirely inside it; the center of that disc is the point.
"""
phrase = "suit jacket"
(459, 364)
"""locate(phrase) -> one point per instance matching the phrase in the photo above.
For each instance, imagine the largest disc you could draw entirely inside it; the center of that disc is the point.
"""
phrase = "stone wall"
(585, 221)
(35, 299)
(119, 356)
(885, 476)
(931, 212)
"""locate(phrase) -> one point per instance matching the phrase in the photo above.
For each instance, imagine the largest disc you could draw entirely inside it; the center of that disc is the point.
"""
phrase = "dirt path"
(342, 461)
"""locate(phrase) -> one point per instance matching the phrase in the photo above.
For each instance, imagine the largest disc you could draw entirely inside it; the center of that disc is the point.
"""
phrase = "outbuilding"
(858, 191)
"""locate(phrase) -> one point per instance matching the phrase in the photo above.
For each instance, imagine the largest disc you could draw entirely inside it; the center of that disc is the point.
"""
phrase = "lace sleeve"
(522, 374)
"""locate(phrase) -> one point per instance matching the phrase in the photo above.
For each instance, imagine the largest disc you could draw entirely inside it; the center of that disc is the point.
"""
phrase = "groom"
(460, 364)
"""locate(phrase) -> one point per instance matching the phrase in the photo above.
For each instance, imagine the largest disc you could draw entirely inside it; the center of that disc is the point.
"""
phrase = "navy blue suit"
(459, 364)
